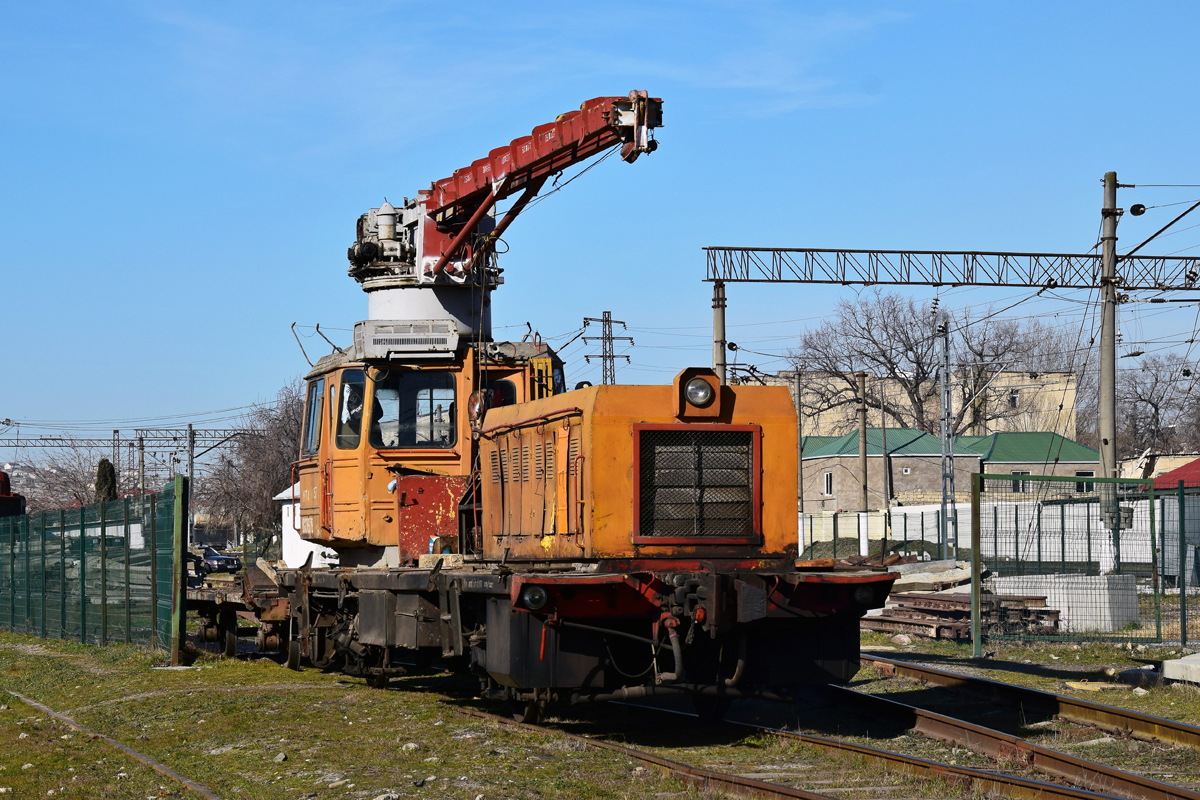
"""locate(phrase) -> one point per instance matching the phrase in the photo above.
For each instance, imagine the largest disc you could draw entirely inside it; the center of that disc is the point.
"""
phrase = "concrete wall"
(923, 483)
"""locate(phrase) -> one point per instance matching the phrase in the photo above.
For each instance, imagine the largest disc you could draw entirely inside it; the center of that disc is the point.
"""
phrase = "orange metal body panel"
(558, 476)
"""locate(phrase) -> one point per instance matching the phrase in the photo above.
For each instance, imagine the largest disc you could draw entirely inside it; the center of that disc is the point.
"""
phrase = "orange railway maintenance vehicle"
(605, 542)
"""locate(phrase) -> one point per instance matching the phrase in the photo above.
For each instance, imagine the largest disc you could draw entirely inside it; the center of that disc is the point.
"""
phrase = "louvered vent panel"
(697, 483)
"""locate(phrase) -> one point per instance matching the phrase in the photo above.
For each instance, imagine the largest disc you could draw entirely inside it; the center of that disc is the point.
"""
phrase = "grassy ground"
(224, 724)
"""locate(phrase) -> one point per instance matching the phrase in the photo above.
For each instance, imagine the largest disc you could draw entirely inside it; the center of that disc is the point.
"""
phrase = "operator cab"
(388, 449)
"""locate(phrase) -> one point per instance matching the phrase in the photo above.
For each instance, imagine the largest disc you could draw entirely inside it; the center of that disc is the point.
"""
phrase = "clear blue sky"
(179, 182)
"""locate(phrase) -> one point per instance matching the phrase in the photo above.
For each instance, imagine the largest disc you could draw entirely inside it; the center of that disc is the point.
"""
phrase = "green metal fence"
(1066, 559)
(106, 572)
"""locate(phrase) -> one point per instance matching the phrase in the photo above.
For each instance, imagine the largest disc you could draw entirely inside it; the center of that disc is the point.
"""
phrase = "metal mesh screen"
(697, 483)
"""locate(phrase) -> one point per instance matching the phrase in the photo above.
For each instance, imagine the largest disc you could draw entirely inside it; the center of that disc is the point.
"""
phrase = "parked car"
(215, 562)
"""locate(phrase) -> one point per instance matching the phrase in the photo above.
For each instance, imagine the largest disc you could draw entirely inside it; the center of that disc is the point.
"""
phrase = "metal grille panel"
(697, 483)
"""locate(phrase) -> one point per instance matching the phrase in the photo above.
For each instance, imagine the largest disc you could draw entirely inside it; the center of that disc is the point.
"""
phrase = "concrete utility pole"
(141, 444)
(191, 475)
(947, 439)
(799, 441)
(719, 330)
(887, 469)
(116, 460)
(862, 434)
(1108, 355)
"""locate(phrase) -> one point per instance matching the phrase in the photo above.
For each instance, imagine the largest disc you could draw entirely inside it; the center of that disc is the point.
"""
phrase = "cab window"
(312, 416)
(504, 393)
(350, 409)
(413, 409)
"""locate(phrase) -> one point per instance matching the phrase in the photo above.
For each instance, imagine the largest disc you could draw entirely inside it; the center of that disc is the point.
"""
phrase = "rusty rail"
(975, 780)
(694, 776)
(158, 767)
(1084, 712)
(997, 745)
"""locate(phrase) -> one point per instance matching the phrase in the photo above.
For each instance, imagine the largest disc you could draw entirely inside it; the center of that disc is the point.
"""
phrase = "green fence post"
(62, 574)
(104, 573)
(179, 578)
(976, 570)
(42, 519)
(1162, 538)
(28, 578)
(82, 574)
(153, 572)
(1182, 571)
(835, 534)
(128, 612)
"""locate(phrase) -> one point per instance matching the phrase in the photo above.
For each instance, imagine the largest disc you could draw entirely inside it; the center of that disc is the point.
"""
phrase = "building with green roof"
(832, 470)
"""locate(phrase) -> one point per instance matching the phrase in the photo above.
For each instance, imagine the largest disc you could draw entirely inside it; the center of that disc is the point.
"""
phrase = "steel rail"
(158, 767)
(695, 776)
(997, 745)
(1084, 712)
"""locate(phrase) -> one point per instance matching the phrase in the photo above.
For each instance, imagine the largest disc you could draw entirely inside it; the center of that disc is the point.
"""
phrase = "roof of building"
(1189, 473)
(1002, 447)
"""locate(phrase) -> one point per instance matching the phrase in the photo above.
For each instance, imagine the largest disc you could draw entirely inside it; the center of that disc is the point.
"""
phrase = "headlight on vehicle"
(699, 392)
(863, 596)
(534, 597)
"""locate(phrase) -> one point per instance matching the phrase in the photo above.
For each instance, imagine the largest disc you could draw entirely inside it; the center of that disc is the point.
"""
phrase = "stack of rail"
(947, 615)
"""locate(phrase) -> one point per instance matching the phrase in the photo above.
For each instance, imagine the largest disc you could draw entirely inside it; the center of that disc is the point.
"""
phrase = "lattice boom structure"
(942, 268)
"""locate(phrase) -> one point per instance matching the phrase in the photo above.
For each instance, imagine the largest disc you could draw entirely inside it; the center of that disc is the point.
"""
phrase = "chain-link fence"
(106, 572)
(1068, 558)
(1179, 558)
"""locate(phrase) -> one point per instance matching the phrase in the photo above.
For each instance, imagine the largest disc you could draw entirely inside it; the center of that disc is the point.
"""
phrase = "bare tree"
(1158, 408)
(896, 339)
(257, 465)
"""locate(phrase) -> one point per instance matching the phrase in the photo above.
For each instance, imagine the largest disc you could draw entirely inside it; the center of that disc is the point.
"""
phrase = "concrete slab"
(1183, 669)
(1097, 603)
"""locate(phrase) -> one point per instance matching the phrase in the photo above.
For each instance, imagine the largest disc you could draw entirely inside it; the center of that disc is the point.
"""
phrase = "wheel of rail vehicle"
(529, 712)
(293, 655)
(227, 628)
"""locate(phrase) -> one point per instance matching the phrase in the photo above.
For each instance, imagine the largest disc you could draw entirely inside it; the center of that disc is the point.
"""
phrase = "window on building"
(1019, 486)
(350, 409)
(312, 416)
(413, 409)
(905, 470)
(1085, 486)
(828, 484)
(1014, 398)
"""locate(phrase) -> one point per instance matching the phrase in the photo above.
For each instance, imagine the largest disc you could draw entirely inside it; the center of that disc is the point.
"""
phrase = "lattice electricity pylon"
(608, 368)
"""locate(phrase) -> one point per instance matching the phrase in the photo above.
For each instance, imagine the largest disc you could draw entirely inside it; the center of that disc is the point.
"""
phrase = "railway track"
(1002, 746)
(977, 781)
(1083, 712)
(1086, 779)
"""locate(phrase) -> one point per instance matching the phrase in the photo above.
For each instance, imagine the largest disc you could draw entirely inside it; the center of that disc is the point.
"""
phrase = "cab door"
(311, 473)
(347, 456)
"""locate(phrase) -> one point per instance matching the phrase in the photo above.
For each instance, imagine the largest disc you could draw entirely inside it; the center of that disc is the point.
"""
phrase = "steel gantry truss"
(943, 268)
